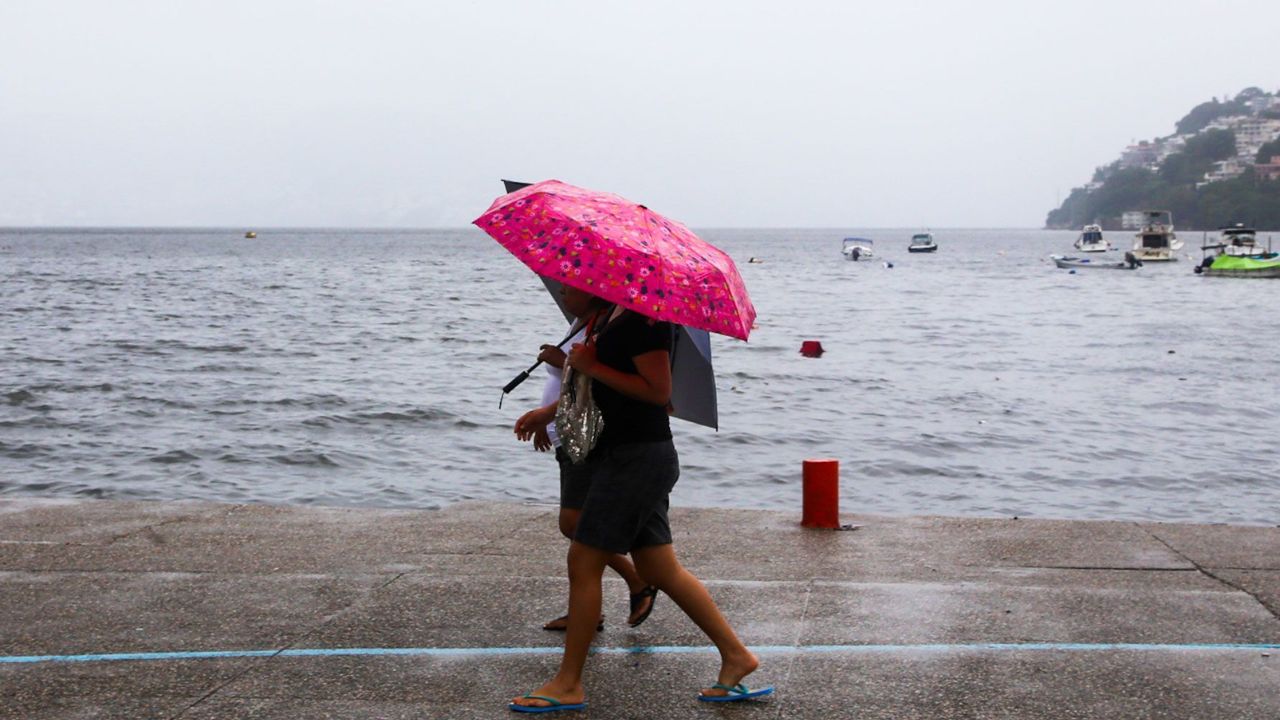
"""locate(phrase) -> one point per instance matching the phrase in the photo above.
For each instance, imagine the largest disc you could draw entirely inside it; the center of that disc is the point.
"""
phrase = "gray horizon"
(405, 115)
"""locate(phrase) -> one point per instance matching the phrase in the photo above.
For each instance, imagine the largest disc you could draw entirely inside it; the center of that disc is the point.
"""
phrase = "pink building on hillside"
(1268, 171)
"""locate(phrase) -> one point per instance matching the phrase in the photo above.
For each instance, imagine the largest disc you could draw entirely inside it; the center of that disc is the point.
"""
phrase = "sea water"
(364, 367)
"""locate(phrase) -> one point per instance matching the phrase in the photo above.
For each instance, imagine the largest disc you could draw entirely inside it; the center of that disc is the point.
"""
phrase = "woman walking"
(633, 467)
(575, 479)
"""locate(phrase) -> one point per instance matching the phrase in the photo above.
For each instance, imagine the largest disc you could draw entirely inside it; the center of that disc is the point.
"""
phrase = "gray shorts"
(575, 480)
(627, 497)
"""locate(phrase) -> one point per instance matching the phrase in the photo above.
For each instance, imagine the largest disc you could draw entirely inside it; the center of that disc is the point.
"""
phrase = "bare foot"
(732, 670)
(564, 694)
(562, 623)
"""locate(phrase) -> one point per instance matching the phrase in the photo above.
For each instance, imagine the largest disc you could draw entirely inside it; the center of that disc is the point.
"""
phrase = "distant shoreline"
(397, 228)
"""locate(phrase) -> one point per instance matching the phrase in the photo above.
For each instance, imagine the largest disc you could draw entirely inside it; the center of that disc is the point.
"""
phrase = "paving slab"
(1223, 546)
(1264, 585)
(770, 545)
(294, 708)
(39, 521)
(93, 707)
(483, 612)
(260, 539)
(618, 686)
(1006, 685)
(428, 681)
(1050, 577)
(919, 613)
(161, 611)
(222, 708)
(112, 689)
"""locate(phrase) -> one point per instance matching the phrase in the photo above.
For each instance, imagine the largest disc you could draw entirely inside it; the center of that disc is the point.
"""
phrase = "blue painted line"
(638, 650)
(1039, 647)
(114, 657)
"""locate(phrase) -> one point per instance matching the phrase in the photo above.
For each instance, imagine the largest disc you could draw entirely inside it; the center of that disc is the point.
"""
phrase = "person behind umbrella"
(633, 468)
(576, 479)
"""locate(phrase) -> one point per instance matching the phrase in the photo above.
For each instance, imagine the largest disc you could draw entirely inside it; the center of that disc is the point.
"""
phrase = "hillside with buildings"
(1221, 165)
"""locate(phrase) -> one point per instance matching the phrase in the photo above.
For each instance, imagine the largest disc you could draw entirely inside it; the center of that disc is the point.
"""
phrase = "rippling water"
(364, 368)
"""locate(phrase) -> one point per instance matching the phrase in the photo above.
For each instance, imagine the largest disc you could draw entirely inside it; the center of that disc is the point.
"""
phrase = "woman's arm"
(651, 383)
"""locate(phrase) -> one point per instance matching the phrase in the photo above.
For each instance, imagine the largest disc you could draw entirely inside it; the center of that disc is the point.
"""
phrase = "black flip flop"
(649, 592)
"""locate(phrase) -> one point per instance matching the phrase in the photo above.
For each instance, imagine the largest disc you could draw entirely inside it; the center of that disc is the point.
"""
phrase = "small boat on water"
(922, 243)
(1224, 265)
(1091, 240)
(855, 248)
(251, 235)
(1238, 241)
(1131, 262)
(1157, 242)
(1238, 255)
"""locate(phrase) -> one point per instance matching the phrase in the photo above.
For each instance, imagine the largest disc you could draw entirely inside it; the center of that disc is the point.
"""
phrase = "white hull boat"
(922, 243)
(857, 248)
(1238, 241)
(1131, 262)
(1091, 240)
(1156, 242)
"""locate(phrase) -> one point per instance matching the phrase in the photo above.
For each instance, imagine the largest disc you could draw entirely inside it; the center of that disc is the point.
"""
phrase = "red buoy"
(821, 494)
(811, 348)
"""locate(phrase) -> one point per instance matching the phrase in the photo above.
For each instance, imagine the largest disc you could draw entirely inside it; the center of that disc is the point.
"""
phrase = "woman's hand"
(583, 359)
(552, 355)
(541, 440)
(534, 421)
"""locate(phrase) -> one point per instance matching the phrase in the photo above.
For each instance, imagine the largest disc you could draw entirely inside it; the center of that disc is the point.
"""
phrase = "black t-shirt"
(627, 420)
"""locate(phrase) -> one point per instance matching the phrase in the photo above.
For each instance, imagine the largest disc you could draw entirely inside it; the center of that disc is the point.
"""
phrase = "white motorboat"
(1238, 241)
(1091, 240)
(1156, 242)
(922, 243)
(1077, 263)
(855, 248)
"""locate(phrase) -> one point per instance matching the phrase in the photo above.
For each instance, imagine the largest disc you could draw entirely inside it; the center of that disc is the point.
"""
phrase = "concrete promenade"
(199, 610)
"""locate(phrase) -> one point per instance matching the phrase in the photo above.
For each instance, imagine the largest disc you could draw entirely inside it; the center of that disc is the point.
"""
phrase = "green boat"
(1257, 266)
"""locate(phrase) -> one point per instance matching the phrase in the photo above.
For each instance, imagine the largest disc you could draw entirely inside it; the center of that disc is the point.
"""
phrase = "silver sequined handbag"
(578, 420)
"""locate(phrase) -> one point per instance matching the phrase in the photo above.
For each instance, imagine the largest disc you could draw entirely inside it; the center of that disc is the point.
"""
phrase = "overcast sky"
(725, 113)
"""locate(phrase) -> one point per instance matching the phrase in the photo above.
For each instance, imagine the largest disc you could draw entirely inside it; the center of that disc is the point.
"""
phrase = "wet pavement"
(204, 610)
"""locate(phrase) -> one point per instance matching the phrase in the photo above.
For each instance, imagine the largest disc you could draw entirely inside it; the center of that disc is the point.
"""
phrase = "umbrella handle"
(515, 382)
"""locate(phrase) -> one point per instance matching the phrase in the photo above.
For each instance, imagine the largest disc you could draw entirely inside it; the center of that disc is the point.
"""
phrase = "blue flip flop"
(735, 693)
(555, 706)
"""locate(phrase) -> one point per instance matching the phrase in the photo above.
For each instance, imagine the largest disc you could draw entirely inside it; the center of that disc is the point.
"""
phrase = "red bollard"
(811, 348)
(821, 494)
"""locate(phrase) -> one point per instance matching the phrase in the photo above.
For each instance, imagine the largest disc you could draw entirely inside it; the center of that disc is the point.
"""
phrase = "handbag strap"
(614, 312)
(588, 338)
(595, 327)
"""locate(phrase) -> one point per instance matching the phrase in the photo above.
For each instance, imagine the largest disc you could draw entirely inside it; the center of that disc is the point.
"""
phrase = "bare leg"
(619, 563)
(586, 569)
(658, 565)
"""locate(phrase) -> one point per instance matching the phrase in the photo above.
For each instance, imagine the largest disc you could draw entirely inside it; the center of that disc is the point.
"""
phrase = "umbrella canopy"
(623, 252)
(693, 379)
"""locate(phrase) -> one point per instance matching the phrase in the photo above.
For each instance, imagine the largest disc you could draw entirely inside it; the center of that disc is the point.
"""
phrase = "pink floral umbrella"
(623, 252)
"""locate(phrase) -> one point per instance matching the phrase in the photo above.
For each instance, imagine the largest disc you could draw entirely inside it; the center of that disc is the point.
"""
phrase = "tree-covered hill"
(1205, 113)
(1245, 199)
(1177, 181)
